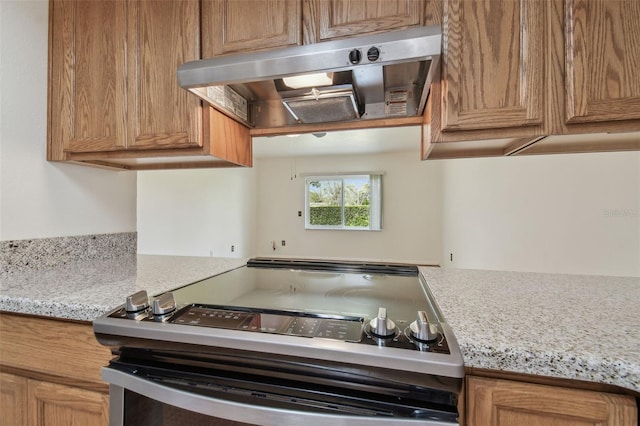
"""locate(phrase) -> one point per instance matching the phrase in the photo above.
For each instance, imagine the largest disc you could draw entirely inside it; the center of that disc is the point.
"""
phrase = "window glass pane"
(325, 202)
(357, 201)
(344, 202)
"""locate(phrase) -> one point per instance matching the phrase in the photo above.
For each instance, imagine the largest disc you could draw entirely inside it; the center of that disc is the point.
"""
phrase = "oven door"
(162, 389)
(136, 401)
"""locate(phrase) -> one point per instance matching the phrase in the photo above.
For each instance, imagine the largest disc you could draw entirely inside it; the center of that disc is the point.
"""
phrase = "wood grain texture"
(437, 144)
(310, 21)
(602, 47)
(465, 107)
(232, 26)
(229, 139)
(605, 144)
(58, 348)
(161, 36)
(112, 76)
(506, 403)
(558, 78)
(493, 64)
(57, 405)
(433, 10)
(329, 127)
(550, 381)
(13, 400)
(344, 18)
(86, 99)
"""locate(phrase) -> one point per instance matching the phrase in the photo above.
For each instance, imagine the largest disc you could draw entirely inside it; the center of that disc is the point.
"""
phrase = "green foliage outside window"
(354, 216)
(343, 202)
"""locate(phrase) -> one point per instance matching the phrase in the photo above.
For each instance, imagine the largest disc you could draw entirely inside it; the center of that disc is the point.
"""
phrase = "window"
(343, 202)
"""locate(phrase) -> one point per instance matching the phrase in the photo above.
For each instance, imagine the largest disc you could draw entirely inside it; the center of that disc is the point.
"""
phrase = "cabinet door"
(493, 64)
(52, 404)
(87, 102)
(230, 26)
(113, 76)
(506, 403)
(343, 18)
(13, 400)
(161, 36)
(602, 41)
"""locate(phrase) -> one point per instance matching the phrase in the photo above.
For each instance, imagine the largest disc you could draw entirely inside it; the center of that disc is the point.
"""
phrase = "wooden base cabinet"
(495, 402)
(50, 373)
(52, 404)
(34, 403)
(13, 400)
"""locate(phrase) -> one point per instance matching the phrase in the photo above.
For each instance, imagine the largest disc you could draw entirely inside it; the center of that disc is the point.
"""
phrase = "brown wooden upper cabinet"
(493, 65)
(113, 96)
(232, 26)
(602, 56)
(514, 72)
(331, 19)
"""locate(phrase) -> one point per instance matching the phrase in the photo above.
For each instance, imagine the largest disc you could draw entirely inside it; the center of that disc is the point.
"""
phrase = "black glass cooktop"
(347, 290)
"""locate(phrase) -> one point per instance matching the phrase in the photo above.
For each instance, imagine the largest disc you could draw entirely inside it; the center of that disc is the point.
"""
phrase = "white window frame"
(375, 201)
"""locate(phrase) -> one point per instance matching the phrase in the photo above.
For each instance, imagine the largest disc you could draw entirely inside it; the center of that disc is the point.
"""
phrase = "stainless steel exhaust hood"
(361, 78)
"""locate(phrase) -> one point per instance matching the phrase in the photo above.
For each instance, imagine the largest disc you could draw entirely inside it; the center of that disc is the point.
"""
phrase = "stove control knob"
(355, 56)
(137, 302)
(164, 304)
(381, 326)
(422, 330)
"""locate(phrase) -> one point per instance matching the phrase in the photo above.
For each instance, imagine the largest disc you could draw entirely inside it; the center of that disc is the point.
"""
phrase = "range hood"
(382, 76)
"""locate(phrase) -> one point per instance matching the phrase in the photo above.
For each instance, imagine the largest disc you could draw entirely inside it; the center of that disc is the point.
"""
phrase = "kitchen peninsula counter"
(86, 289)
(567, 326)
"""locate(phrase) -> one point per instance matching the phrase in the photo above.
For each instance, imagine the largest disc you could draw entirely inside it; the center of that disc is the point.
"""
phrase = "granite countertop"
(568, 326)
(87, 289)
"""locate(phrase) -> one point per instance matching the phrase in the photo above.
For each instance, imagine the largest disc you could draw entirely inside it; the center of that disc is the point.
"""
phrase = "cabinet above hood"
(382, 76)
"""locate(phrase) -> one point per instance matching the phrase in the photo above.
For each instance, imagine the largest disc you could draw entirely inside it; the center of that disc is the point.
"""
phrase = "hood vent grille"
(336, 101)
(339, 105)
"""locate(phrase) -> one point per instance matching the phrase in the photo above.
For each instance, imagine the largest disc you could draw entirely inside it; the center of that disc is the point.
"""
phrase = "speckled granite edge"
(575, 327)
(73, 311)
(599, 369)
(21, 255)
(85, 290)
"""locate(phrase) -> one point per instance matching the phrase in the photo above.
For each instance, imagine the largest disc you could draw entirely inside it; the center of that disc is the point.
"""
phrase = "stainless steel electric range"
(285, 342)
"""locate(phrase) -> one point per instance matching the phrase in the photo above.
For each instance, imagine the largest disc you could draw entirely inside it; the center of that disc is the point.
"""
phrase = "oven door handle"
(230, 410)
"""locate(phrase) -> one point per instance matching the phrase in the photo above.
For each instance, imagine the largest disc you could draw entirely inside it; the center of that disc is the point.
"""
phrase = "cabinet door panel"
(13, 400)
(493, 64)
(602, 60)
(52, 404)
(230, 26)
(162, 35)
(341, 18)
(87, 92)
(508, 403)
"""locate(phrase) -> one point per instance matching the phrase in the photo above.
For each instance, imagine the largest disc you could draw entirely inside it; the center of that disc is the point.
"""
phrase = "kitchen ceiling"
(347, 142)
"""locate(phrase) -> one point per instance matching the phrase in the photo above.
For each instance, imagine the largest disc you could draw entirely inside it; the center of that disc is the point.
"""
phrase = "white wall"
(40, 199)
(575, 213)
(197, 212)
(411, 209)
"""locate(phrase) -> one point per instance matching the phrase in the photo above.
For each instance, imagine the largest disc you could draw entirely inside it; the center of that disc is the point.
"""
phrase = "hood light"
(309, 80)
